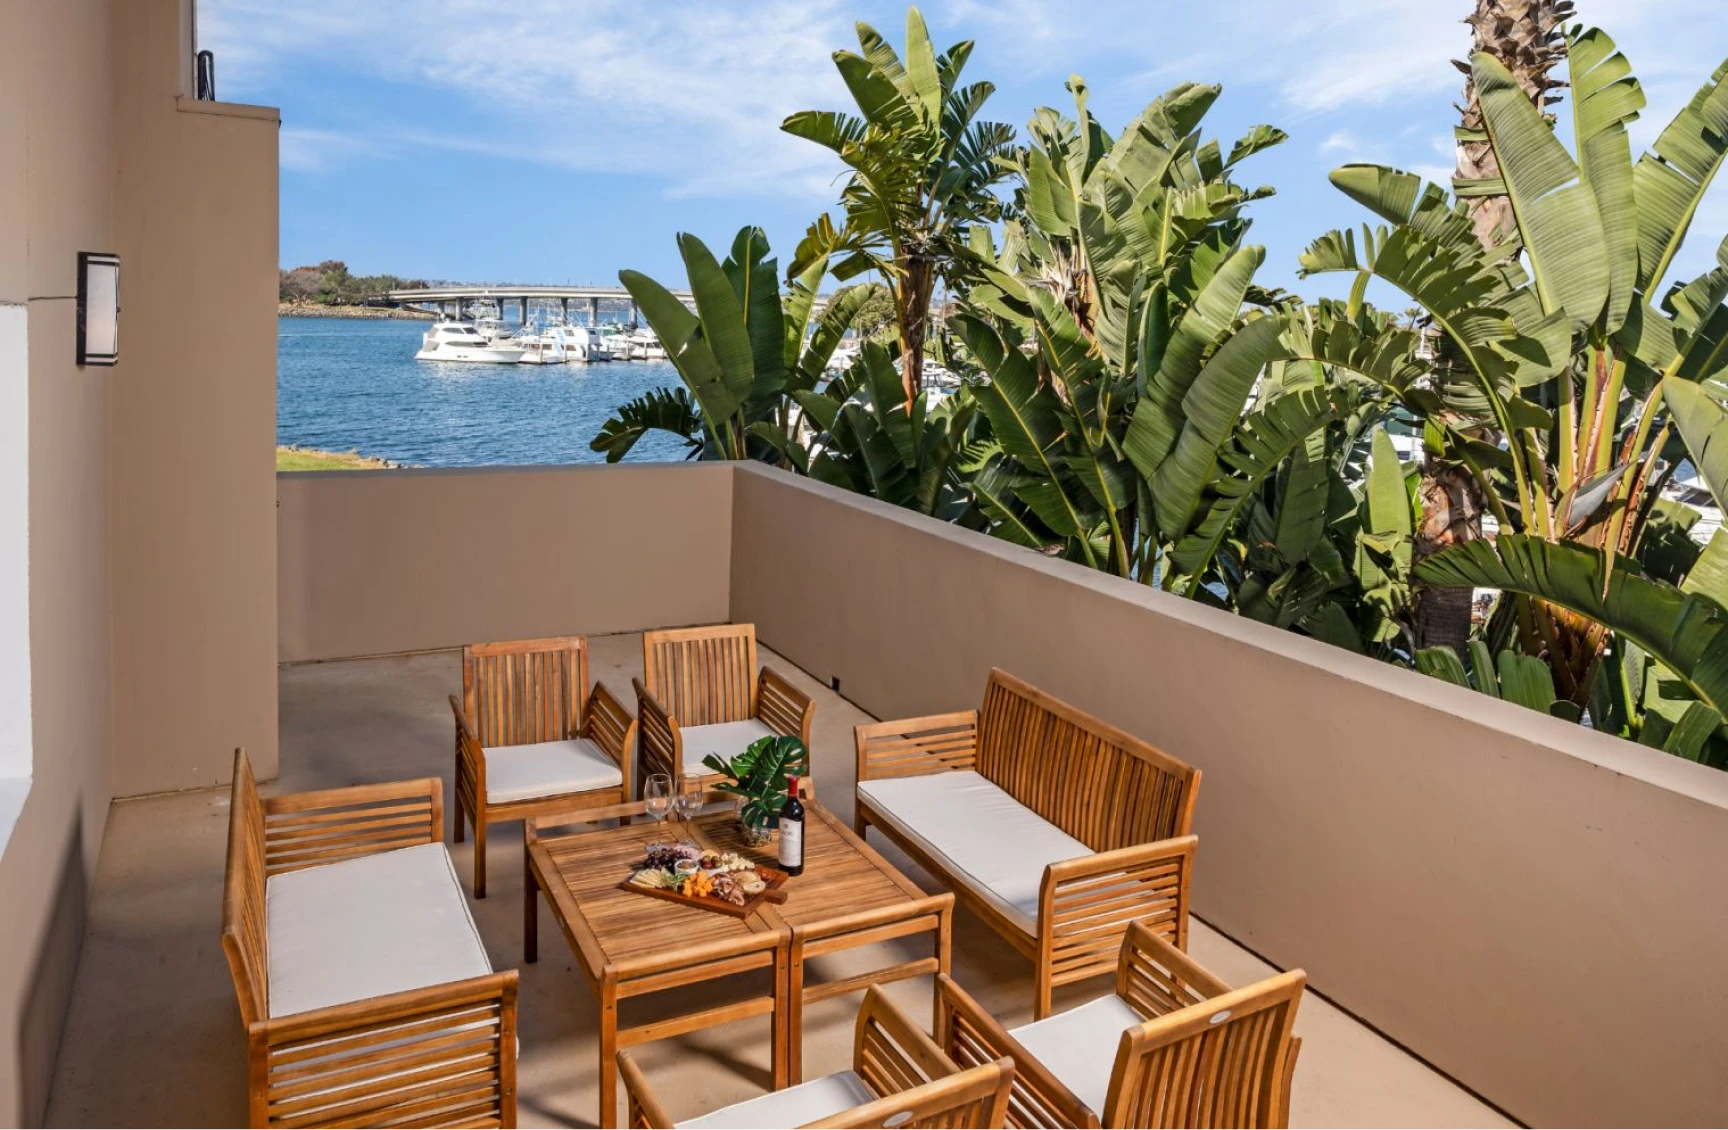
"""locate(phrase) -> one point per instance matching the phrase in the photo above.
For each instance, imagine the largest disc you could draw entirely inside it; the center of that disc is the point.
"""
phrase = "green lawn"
(303, 459)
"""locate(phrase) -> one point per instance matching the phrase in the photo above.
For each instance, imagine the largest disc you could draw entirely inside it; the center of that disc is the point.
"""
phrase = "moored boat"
(458, 341)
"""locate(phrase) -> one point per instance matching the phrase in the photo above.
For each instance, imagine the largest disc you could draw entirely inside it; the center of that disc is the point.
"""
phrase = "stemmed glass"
(657, 795)
(690, 799)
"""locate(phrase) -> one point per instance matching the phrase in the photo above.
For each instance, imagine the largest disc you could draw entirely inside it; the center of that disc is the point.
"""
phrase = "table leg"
(794, 1014)
(530, 913)
(785, 1006)
(609, 1053)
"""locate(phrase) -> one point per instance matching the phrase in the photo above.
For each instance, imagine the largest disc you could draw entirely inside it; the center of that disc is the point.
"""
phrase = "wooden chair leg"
(480, 855)
(459, 834)
(1041, 991)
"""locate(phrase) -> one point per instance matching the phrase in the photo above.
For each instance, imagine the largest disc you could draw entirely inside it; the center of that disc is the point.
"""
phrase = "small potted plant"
(757, 777)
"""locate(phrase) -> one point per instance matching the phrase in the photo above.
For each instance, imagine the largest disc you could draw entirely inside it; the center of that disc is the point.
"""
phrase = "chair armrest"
(312, 828)
(468, 747)
(1086, 904)
(971, 1036)
(337, 1058)
(642, 1110)
(889, 1052)
(977, 1096)
(910, 747)
(782, 707)
(657, 733)
(1155, 978)
(608, 724)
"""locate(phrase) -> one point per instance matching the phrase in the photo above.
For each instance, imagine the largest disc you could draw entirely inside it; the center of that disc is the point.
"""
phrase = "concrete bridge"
(454, 299)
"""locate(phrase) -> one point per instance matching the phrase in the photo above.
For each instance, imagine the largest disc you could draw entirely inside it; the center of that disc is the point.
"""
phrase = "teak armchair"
(527, 743)
(702, 693)
(899, 1077)
(1173, 1047)
(379, 1006)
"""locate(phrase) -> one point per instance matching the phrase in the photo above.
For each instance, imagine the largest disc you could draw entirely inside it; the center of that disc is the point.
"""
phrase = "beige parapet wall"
(383, 561)
(1536, 909)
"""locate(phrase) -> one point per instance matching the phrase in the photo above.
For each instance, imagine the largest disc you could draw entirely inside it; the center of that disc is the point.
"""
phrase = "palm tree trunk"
(1525, 35)
(913, 296)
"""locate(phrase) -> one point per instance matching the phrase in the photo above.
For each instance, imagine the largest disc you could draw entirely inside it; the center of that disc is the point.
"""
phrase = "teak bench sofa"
(1054, 827)
(366, 993)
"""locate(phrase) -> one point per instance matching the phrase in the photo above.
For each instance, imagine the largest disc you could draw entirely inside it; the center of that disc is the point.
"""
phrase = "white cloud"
(314, 150)
(1341, 141)
(693, 92)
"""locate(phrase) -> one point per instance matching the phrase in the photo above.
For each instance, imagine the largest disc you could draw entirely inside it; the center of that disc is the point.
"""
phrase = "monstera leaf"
(758, 776)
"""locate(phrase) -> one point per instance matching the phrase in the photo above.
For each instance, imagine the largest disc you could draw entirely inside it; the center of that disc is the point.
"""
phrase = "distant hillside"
(330, 284)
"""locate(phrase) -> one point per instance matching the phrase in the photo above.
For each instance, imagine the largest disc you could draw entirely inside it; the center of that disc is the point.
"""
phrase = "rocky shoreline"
(317, 310)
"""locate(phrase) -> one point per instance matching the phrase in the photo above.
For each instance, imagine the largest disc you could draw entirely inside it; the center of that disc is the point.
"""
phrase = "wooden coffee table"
(848, 896)
(630, 946)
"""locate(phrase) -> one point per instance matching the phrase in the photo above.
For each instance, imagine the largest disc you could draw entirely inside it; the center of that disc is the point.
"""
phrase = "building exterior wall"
(193, 554)
(55, 181)
(1534, 908)
(137, 566)
(371, 562)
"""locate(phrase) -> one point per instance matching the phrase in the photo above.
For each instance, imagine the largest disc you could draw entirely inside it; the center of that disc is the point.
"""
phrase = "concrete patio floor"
(153, 1037)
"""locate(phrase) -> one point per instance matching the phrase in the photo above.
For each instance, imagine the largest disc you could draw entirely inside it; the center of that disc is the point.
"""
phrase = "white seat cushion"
(994, 844)
(795, 1106)
(1079, 1046)
(365, 927)
(725, 739)
(524, 772)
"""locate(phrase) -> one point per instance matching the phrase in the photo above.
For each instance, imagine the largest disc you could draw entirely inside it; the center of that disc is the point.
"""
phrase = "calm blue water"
(347, 385)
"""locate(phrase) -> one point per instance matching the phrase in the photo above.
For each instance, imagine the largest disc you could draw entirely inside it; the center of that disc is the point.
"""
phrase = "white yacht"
(645, 345)
(488, 321)
(540, 346)
(458, 341)
(577, 342)
(617, 344)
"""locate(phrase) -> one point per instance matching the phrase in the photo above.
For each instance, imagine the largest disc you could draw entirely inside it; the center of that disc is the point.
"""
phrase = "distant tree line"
(330, 284)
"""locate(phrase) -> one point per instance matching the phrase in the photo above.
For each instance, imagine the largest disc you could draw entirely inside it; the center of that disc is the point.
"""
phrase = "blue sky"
(560, 140)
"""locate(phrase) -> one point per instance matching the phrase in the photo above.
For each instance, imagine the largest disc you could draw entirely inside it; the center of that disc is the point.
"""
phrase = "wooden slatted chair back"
(1106, 788)
(1220, 1062)
(702, 676)
(915, 1083)
(525, 691)
(243, 921)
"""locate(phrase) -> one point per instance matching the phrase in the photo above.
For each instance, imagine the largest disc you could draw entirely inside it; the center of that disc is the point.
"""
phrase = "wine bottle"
(792, 830)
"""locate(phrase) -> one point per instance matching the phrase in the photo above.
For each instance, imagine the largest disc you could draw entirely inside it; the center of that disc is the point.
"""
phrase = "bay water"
(353, 385)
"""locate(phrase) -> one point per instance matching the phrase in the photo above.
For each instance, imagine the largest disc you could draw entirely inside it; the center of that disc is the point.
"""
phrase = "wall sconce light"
(98, 308)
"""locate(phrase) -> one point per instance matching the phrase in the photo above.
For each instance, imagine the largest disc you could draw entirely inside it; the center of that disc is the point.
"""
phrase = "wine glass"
(690, 799)
(657, 795)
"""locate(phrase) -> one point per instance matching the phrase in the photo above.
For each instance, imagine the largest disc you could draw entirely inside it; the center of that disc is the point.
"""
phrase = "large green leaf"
(1671, 179)
(723, 327)
(1259, 447)
(680, 332)
(668, 410)
(1558, 221)
(1703, 423)
(1605, 98)
(1024, 415)
(1684, 633)
(1210, 411)
(1158, 417)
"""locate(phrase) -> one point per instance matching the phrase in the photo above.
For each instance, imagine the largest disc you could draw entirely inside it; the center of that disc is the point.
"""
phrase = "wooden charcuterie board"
(772, 894)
